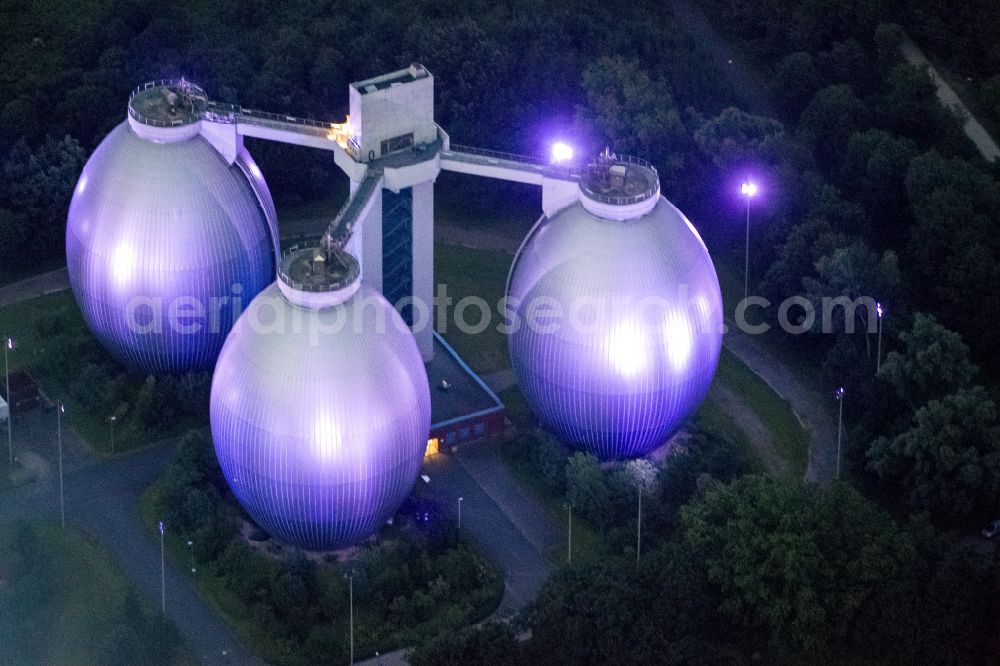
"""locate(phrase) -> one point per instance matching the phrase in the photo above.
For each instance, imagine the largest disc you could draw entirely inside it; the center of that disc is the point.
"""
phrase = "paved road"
(815, 410)
(38, 285)
(519, 550)
(102, 499)
(985, 143)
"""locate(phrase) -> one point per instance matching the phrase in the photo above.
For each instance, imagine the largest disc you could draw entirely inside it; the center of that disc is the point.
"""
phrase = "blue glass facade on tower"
(164, 243)
(619, 327)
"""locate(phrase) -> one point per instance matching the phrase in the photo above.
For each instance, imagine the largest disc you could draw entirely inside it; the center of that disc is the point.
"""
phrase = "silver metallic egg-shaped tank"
(320, 416)
(637, 338)
(165, 242)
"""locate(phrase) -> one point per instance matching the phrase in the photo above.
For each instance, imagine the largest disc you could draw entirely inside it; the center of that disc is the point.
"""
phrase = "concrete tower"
(393, 133)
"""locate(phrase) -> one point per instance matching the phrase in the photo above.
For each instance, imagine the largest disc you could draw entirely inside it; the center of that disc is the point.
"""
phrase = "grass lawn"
(468, 272)
(786, 433)
(62, 608)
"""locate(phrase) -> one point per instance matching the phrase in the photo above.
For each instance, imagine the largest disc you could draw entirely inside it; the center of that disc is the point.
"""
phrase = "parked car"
(992, 529)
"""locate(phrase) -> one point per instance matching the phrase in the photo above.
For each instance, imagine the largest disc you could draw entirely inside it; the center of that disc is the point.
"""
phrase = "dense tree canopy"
(797, 563)
(948, 461)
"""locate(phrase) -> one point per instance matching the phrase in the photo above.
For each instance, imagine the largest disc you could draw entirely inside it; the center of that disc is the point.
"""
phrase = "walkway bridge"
(186, 103)
(339, 233)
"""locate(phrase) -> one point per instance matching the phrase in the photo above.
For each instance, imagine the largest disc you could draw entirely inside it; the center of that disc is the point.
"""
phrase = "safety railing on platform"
(514, 160)
(350, 270)
(194, 92)
(623, 200)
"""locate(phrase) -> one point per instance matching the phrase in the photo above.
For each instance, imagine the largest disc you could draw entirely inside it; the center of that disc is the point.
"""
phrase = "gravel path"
(985, 143)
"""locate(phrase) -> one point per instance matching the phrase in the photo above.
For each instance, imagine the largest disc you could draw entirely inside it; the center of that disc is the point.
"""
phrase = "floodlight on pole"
(749, 190)
(561, 152)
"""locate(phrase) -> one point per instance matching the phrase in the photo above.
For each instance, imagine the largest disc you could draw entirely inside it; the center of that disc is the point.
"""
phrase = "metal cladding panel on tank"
(320, 428)
(158, 225)
(633, 350)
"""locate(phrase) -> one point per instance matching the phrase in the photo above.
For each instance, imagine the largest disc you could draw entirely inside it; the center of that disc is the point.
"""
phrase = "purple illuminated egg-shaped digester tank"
(320, 405)
(165, 238)
(619, 315)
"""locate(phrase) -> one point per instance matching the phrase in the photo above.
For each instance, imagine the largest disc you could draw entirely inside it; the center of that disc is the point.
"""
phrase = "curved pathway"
(102, 499)
(814, 409)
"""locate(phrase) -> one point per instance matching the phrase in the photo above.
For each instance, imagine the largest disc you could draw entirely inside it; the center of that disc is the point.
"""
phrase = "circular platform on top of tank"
(167, 110)
(619, 187)
(314, 276)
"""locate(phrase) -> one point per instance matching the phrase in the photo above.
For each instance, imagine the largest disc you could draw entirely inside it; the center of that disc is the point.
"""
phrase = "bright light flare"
(878, 309)
(561, 152)
(749, 189)
(627, 349)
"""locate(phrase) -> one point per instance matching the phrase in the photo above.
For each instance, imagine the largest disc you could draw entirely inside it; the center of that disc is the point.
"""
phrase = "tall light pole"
(163, 574)
(749, 190)
(350, 592)
(840, 425)
(8, 345)
(638, 530)
(191, 548)
(62, 497)
(112, 418)
(569, 533)
(878, 353)
(460, 512)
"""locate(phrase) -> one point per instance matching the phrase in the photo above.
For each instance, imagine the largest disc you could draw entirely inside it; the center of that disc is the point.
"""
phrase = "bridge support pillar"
(224, 138)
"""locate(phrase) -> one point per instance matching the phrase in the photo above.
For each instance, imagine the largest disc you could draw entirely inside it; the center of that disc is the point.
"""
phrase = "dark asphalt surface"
(102, 499)
(523, 563)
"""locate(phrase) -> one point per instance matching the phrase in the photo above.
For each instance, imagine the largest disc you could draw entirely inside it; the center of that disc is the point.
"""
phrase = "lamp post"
(8, 345)
(163, 574)
(749, 190)
(112, 419)
(62, 497)
(840, 425)
(878, 353)
(569, 533)
(460, 512)
(191, 548)
(350, 589)
(638, 530)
